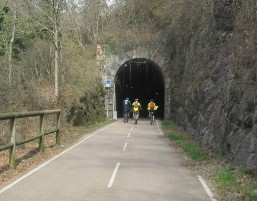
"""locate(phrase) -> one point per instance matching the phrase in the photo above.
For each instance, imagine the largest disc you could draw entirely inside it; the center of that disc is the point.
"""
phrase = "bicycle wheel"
(151, 118)
(126, 117)
(136, 117)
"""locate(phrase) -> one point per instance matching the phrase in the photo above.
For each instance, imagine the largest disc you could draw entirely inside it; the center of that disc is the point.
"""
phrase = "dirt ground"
(27, 157)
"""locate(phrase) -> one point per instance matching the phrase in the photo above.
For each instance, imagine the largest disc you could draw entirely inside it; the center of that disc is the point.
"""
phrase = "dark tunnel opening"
(142, 79)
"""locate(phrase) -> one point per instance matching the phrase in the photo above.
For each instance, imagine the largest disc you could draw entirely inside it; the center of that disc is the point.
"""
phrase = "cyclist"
(126, 108)
(136, 106)
(151, 107)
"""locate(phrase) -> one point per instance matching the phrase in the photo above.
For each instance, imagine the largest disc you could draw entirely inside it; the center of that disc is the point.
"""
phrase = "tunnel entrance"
(142, 79)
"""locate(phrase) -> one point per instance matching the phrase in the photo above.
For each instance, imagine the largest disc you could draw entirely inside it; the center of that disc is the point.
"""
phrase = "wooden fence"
(12, 117)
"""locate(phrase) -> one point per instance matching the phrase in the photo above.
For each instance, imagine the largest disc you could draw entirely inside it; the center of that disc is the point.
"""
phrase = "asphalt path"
(120, 162)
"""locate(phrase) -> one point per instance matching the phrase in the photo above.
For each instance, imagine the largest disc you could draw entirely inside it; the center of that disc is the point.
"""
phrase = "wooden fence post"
(12, 150)
(41, 132)
(12, 117)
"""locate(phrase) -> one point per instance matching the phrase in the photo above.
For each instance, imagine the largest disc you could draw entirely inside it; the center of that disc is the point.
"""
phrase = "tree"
(52, 10)
(12, 41)
(3, 12)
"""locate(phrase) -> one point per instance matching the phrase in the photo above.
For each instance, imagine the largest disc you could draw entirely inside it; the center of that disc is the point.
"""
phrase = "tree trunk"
(10, 68)
(56, 57)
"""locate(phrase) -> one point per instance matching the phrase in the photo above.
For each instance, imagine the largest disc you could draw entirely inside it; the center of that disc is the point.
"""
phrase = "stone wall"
(114, 62)
(213, 84)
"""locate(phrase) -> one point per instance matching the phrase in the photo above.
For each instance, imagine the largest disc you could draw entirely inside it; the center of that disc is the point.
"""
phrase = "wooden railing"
(12, 117)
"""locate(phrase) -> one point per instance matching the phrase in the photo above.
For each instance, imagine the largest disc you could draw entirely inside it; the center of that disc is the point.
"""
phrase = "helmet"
(151, 100)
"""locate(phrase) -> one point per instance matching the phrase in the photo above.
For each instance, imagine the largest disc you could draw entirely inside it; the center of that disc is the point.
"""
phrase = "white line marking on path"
(129, 134)
(132, 128)
(208, 191)
(125, 146)
(49, 161)
(113, 175)
(160, 131)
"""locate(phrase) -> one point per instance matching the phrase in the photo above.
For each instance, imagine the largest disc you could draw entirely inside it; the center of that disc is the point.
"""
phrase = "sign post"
(114, 112)
(107, 85)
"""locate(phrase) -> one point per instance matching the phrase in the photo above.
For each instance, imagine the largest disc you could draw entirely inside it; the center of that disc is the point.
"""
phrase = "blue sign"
(108, 83)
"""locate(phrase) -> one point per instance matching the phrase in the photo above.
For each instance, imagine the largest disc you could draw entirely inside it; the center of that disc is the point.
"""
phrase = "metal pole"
(114, 113)
(107, 102)
(113, 99)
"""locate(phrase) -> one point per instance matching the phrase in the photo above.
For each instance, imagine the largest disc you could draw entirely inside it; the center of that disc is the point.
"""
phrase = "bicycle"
(126, 115)
(151, 117)
(136, 116)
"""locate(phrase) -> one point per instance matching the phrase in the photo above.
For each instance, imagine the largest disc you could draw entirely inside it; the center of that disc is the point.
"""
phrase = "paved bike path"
(121, 162)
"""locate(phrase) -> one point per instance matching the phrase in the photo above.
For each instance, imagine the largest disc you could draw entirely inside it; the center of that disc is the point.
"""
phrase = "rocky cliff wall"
(214, 77)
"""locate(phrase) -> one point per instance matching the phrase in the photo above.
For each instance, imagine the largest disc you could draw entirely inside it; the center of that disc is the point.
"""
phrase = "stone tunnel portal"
(142, 79)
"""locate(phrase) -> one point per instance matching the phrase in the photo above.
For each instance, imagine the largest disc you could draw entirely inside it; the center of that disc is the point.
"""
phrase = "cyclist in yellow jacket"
(136, 106)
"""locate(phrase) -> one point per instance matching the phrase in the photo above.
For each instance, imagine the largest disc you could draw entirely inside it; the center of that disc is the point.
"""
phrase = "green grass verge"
(194, 151)
(236, 179)
(176, 135)
(166, 124)
(227, 178)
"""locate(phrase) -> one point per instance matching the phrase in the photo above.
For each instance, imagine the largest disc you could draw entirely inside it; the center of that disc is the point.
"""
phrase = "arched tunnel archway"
(142, 79)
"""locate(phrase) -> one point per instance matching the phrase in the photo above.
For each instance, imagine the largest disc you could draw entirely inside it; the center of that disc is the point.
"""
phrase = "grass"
(194, 151)
(176, 135)
(225, 179)
(167, 124)
(230, 180)
(238, 180)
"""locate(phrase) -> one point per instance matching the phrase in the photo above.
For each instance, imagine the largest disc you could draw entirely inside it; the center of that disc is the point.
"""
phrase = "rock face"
(89, 109)
(214, 82)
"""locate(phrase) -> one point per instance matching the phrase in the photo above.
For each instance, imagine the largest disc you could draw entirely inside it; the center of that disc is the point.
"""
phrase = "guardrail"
(12, 117)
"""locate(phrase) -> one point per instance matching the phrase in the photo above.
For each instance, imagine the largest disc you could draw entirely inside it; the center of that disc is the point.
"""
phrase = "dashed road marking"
(113, 175)
(125, 146)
